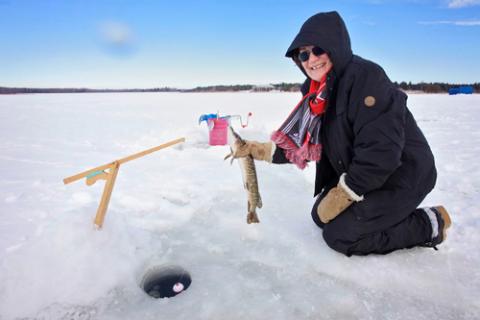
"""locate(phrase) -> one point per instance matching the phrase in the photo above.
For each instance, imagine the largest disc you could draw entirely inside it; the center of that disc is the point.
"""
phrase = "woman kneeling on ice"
(374, 165)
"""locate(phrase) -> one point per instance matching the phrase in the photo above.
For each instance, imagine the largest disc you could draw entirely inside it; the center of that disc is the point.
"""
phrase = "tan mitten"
(337, 199)
(258, 150)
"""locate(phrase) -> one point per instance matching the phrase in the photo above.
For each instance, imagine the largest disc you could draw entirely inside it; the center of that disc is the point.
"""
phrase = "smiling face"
(316, 66)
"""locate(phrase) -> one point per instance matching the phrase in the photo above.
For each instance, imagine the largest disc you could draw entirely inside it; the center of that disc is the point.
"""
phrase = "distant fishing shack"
(460, 90)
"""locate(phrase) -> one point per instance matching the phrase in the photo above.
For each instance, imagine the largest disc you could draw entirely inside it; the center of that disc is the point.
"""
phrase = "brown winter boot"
(447, 222)
(444, 222)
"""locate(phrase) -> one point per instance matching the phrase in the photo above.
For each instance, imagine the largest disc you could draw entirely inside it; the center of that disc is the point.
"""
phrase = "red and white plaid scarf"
(299, 135)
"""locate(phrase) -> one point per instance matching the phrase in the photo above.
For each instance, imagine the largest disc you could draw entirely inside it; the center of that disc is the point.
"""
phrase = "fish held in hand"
(249, 175)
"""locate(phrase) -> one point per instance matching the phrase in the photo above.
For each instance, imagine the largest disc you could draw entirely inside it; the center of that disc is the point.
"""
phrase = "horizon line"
(213, 85)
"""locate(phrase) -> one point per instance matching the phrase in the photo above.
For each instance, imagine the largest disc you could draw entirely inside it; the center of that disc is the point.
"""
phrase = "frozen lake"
(184, 205)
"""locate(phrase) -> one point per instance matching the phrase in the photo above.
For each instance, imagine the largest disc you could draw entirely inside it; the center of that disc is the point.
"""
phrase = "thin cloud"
(116, 33)
(453, 4)
(463, 23)
(117, 38)
(462, 3)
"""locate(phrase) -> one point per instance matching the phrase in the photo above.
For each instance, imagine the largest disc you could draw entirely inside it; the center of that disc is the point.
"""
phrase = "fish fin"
(259, 204)
(229, 155)
(252, 217)
(235, 135)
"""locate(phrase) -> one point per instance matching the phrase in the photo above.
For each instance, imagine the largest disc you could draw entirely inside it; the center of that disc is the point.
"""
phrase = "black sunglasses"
(305, 55)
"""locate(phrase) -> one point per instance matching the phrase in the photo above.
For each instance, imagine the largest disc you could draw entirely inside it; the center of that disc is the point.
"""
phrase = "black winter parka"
(367, 130)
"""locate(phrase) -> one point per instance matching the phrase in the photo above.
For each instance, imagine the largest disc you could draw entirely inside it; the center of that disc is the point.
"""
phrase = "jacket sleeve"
(377, 112)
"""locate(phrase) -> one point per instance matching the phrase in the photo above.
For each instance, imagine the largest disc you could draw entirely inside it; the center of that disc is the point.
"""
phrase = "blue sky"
(188, 43)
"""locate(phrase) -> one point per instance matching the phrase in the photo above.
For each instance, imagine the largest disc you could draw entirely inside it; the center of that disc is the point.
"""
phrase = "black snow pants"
(375, 225)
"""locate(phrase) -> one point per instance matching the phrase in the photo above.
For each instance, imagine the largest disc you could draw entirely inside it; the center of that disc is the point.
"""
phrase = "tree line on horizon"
(427, 87)
(434, 87)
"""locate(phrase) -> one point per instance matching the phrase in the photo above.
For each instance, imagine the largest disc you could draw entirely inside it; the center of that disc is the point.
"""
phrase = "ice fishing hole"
(165, 281)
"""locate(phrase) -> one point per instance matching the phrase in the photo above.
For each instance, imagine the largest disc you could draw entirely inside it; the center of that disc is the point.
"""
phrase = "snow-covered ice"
(185, 205)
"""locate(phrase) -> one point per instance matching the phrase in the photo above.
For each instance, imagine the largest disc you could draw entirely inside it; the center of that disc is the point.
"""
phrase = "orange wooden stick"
(121, 161)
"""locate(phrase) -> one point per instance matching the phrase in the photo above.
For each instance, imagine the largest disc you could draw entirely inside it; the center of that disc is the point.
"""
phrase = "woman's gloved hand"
(258, 150)
(337, 199)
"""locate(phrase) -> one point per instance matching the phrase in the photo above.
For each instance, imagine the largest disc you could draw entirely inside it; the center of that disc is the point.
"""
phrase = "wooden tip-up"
(95, 174)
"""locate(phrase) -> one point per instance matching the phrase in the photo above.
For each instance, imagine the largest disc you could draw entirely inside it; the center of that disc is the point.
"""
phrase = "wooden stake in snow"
(100, 173)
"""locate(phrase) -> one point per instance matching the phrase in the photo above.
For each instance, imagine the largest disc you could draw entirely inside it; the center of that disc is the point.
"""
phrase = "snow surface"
(186, 206)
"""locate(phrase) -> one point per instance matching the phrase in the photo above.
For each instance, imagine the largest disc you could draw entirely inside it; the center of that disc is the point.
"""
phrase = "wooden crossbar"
(121, 161)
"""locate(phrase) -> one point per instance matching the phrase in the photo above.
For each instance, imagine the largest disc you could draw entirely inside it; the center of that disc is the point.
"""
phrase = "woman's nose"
(312, 57)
